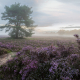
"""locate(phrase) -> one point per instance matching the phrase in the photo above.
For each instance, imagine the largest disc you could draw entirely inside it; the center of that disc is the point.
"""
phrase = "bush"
(4, 51)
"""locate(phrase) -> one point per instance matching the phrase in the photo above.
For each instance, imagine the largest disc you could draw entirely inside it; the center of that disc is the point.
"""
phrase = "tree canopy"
(19, 18)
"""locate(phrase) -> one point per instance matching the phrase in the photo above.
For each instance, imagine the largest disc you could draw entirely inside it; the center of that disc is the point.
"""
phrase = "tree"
(20, 23)
(61, 32)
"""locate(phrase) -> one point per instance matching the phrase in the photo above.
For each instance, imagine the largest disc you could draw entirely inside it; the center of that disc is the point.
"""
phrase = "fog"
(49, 32)
(51, 35)
(41, 34)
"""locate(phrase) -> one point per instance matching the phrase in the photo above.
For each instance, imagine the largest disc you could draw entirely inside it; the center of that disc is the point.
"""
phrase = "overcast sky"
(49, 13)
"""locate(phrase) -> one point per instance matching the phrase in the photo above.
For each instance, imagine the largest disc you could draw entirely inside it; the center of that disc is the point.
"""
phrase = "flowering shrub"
(74, 60)
(65, 51)
(78, 40)
(41, 61)
(4, 51)
(41, 73)
(61, 70)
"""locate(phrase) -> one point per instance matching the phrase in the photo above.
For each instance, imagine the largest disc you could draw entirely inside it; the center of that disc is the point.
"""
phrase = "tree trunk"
(17, 33)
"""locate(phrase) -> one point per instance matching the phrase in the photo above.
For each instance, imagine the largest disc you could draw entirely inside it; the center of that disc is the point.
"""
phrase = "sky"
(49, 13)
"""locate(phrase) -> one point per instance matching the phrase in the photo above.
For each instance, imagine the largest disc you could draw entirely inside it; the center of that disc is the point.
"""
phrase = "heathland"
(41, 58)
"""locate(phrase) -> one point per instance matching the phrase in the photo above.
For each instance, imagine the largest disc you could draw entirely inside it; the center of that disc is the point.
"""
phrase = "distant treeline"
(67, 32)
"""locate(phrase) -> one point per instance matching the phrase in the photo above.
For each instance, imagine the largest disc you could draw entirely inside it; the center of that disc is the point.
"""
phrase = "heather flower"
(73, 57)
(52, 70)
(53, 67)
(20, 72)
(15, 71)
(65, 78)
(18, 53)
(76, 35)
(15, 58)
(78, 41)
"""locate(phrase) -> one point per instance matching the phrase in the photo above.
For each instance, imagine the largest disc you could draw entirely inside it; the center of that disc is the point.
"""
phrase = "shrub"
(4, 51)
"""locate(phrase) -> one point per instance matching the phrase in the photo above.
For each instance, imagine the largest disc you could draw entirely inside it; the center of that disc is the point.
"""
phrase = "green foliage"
(4, 51)
(20, 23)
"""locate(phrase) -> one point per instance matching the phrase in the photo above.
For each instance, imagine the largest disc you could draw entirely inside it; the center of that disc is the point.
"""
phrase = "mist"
(52, 32)
(50, 16)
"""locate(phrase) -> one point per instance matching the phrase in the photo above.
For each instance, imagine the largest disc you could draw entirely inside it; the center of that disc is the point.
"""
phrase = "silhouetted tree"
(20, 23)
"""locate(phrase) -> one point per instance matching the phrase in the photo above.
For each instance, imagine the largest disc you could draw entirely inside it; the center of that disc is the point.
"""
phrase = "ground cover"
(42, 59)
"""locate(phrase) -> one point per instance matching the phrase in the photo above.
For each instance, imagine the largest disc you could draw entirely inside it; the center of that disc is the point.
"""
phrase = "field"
(41, 58)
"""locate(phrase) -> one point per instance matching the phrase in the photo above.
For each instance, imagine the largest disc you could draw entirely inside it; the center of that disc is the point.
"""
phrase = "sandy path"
(4, 58)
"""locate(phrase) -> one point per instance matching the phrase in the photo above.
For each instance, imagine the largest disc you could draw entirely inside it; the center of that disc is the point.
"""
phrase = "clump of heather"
(18, 69)
(78, 40)
(41, 73)
(74, 61)
(4, 51)
(65, 51)
(61, 70)
(76, 35)
(9, 46)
